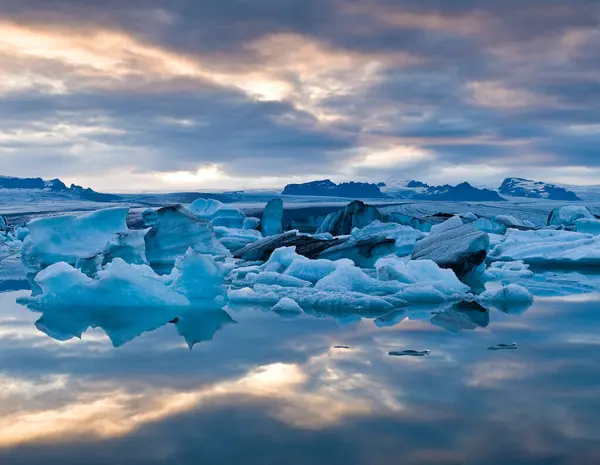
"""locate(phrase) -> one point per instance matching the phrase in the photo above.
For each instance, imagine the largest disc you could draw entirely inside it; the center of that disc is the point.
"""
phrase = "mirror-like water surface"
(267, 389)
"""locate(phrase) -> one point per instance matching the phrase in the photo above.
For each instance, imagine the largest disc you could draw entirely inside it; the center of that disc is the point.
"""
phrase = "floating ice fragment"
(409, 352)
(504, 346)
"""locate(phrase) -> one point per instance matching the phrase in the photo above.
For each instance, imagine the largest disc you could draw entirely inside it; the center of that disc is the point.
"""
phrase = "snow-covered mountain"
(327, 188)
(56, 186)
(422, 191)
(519, 187)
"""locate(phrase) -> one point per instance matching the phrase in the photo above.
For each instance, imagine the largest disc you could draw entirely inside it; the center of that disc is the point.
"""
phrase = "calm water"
(273, 391)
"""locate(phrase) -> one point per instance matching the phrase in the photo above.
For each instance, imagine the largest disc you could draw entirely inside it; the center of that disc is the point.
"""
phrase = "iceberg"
(119, 285)
(271, 222)
(461, 248)
(217, 213)
(587, 226)
(287, 306)
(566, 216)
(173, 231)
(3, 224)
(500, 223)
(545, 247)
(512, 293)
(405, 237)
(234, 238)
(199, 276)
(314, 270)
(305, 245)
(68, 238)
(356, 215)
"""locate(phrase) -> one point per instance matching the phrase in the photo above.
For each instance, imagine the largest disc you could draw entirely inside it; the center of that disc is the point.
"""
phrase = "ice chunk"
(119, 285)
(351, 278)
(235, 238)
(512, 346)
(272, 278)
(251, 223)
(217, 213)
(364, 252)
(271, 222)
(287, 306)
(3, 224)
(566, 216)
(511, 293)
(305, 245)
(129, 246)
(587, 226)
(22, 233)
(356, 215)
(314, 270)
(549, 248)
(405, 236)
(409, 352)
(68, 238)
(199, 276)
(174, 230)
(344, 302)
(498, 224)
(508, 270)
(469, 216)
(461, 249)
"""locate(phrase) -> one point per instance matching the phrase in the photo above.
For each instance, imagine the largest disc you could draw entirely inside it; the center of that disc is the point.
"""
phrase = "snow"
(68, 238)
(271, 222)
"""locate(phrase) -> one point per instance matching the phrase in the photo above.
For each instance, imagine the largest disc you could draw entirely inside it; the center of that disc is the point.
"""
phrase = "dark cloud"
(470, 81)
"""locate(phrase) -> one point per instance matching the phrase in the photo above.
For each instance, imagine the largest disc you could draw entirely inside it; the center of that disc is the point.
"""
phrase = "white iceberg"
(199, 276)
(287, 306)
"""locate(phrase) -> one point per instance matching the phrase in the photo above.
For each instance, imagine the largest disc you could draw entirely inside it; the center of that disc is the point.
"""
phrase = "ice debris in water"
(409, 352)
(503, 346)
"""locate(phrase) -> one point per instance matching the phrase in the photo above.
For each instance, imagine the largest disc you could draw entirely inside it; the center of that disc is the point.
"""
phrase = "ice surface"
(405, 236)
(314, 270)
(566, 216)
(454, 222)
(218, 213)
(271, 222)
(68, 238)
(174, 230)
(498, 224)
(273, 278)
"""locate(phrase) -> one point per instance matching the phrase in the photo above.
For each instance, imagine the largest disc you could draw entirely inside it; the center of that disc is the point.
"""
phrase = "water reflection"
(270, 390)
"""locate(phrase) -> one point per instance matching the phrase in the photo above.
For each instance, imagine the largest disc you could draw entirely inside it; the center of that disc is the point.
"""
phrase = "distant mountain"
(327, 188)
(55, 185)
(461, 193)
(519, 187)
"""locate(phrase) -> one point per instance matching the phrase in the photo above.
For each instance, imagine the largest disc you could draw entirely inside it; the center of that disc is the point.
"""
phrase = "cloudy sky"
(161, 95)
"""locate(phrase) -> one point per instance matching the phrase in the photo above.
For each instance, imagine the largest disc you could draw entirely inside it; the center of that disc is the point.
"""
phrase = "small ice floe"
(341, 347)
(504, 346)
(410, 352)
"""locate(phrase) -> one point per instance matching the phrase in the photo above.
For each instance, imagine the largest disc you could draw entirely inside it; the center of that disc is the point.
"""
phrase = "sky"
(164, 95)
